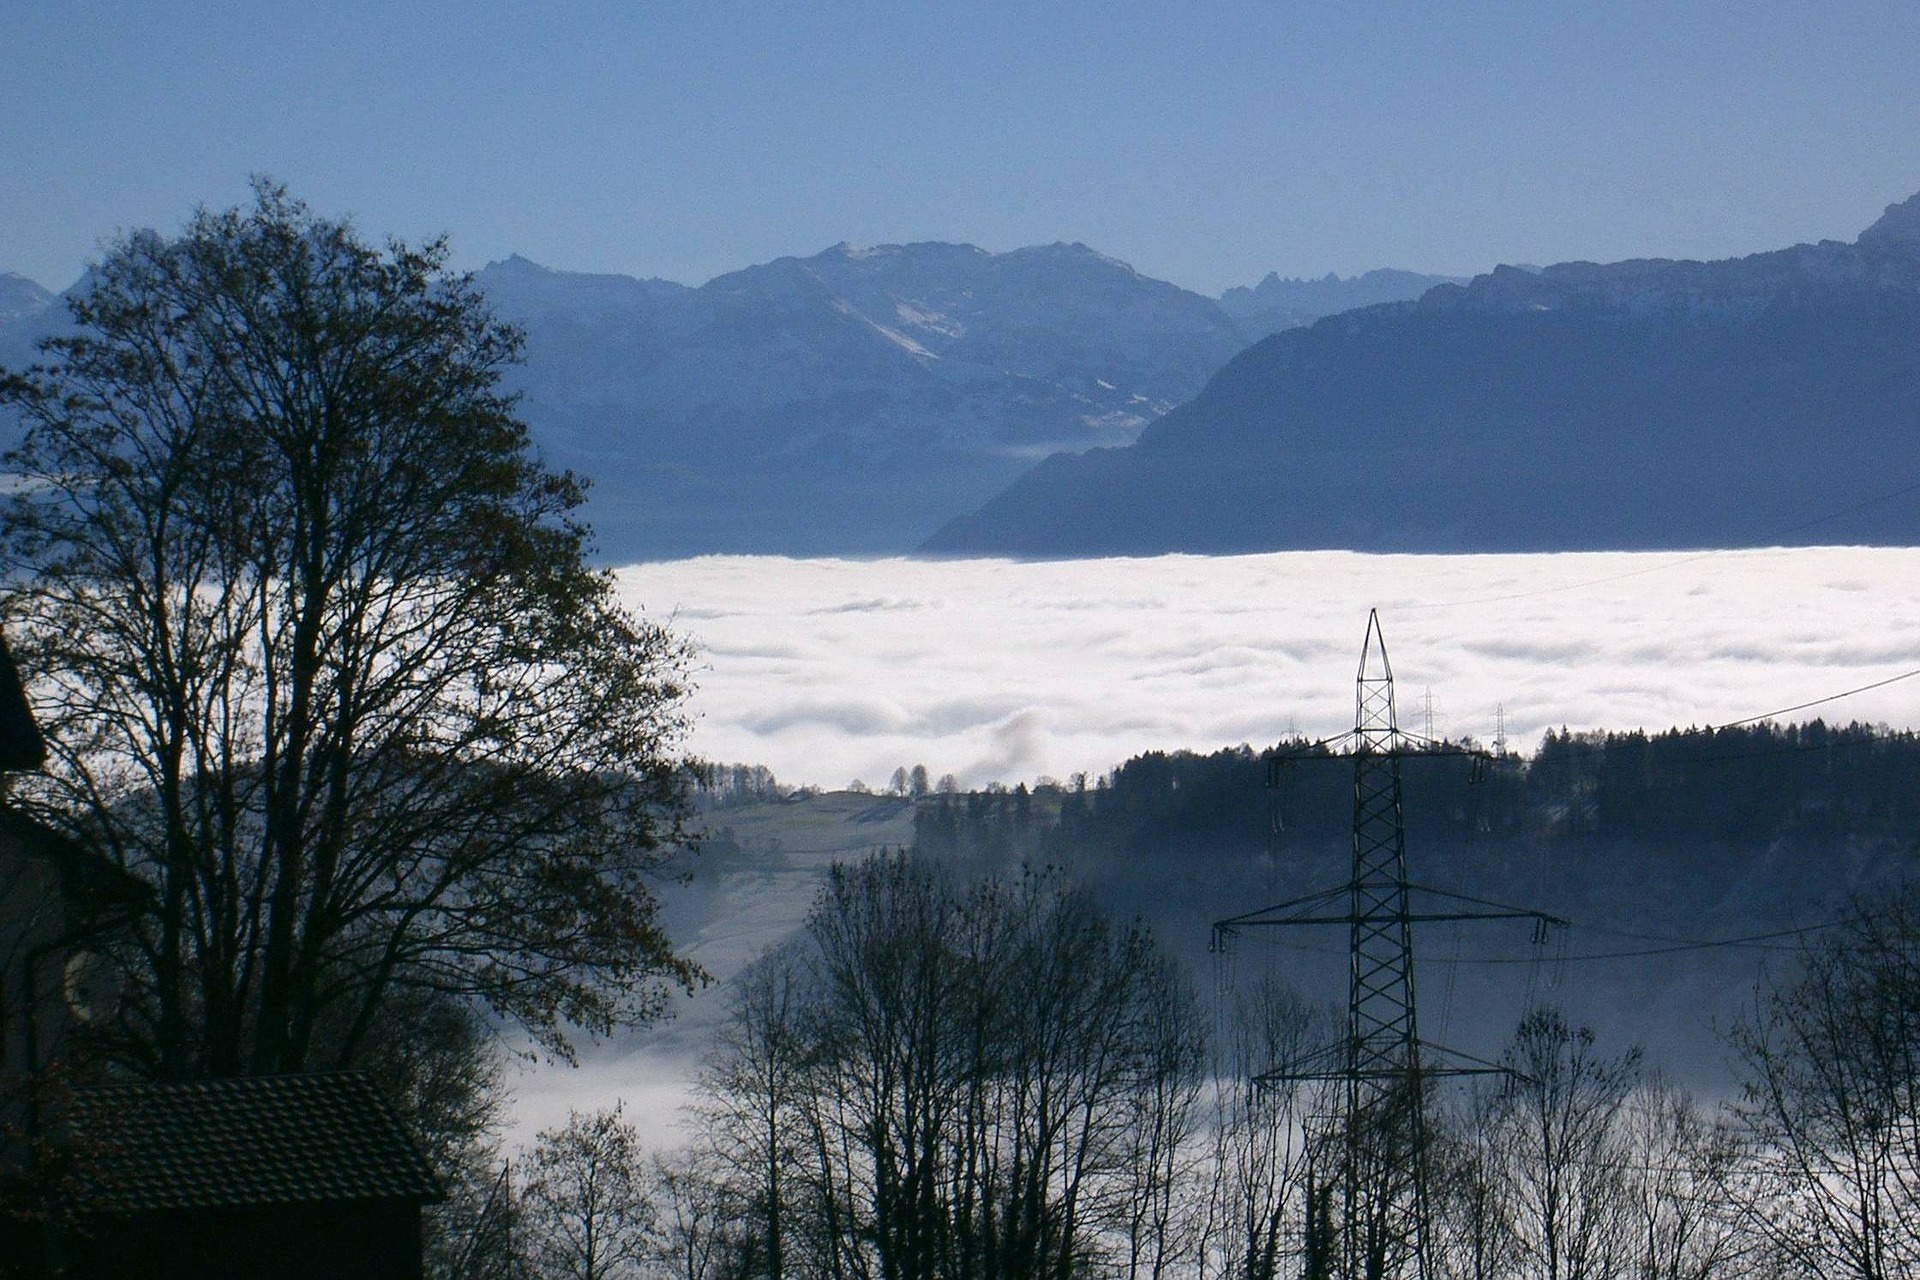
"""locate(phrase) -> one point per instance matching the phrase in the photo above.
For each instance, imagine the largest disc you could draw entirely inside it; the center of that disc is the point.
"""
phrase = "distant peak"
(525, 266)
(1898, 228)
(1072, 249)
(847, 251)
(20, 297)
(854, 252)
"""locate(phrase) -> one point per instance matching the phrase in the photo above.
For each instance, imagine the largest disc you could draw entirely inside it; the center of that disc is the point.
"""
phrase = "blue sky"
(1204, 142)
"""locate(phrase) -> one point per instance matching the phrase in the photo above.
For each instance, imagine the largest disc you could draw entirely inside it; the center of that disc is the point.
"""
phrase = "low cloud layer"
(831, 670)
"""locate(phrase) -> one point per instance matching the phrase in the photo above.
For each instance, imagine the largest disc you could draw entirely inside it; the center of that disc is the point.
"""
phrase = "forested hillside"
(1645, 842)
(1752, 784)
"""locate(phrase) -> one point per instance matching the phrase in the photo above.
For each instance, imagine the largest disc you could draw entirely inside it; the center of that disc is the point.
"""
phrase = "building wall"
(31, 919)
(352, 1240)
(33, 1020)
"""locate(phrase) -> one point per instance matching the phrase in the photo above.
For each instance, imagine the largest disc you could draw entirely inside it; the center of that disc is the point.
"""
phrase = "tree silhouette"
(319, 658)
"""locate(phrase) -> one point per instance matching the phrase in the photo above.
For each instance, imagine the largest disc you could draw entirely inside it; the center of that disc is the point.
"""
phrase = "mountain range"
(1052, 401)
(1770, 399)
(21, 298)
(850, 402)
(1276, 304)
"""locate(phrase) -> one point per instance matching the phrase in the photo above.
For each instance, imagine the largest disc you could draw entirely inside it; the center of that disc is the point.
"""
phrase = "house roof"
(21, 746)
(98, 897)
(264, 1140)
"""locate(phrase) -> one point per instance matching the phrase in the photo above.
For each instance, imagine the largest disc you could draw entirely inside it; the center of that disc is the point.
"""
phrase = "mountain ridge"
(1277, 303)
(1652, 403)
(845, 402)
(849, 401)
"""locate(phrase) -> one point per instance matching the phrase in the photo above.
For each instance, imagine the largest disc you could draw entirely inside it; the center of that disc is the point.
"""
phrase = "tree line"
(947, 1078)
(1743, 785)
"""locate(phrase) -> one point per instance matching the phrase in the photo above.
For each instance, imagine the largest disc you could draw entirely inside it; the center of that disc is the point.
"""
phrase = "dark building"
(59, 903)
(308, 1177)
(303, 1177)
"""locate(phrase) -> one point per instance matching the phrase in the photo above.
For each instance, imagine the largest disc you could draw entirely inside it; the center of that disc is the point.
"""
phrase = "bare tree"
(1830, 1106)
(701, 1227)
(949, 1083)
(584, 1210)
(1556, 1150)
(883, 1040)
(1256, 1201)
(319, 658)
(1160, 1160)
(1073, 994)
(1478, 1236)
(751, 1088)
(1677, 1158)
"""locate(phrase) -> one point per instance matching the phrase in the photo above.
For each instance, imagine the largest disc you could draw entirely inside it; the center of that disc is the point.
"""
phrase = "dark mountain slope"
(1638, 404)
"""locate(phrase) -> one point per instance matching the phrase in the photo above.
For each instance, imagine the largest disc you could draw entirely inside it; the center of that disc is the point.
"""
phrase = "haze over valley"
(961, 642)
(1005, 673)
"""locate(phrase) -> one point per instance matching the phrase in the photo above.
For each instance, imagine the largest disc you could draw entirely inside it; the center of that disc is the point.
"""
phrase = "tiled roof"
(264, 1140)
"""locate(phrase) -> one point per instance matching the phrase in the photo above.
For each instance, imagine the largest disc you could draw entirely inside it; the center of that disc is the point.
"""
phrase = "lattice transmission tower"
(1378, 1143)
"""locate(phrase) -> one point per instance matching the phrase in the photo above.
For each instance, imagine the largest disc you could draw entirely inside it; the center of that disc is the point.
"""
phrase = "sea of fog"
(994, 670)
(828, 671)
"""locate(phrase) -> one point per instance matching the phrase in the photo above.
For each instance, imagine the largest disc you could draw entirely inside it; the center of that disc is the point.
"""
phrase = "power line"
(1623, 743)
(1626, 741)
(1676, 946)
(1623, 740)
(1751, 941)
(1832, 697)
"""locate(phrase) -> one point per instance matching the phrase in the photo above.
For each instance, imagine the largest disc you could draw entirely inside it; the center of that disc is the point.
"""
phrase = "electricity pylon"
(1385, 1068)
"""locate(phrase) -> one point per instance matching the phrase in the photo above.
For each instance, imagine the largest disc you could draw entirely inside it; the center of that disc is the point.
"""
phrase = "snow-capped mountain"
(847, 402)
(850, 402)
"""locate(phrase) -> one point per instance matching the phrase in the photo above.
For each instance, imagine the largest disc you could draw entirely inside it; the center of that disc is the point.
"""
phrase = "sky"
(827, 671)
(1205, 144)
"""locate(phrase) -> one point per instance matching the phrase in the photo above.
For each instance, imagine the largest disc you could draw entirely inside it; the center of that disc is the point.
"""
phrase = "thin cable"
(1624, 740)
(1868, 738)
(1669, 938)
(1832, 697)
(1751, 942)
